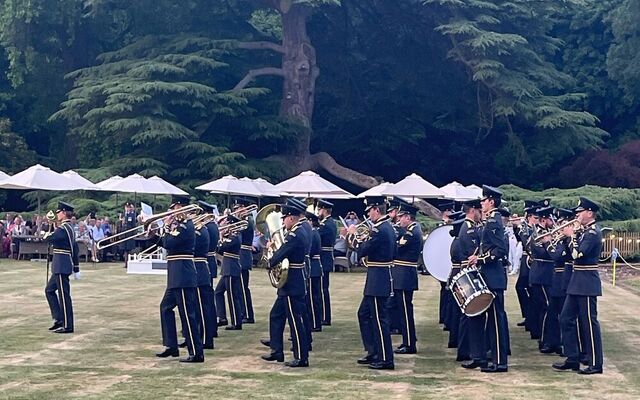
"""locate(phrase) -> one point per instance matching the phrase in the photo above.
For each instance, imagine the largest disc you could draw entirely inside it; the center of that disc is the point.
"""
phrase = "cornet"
(556, 233)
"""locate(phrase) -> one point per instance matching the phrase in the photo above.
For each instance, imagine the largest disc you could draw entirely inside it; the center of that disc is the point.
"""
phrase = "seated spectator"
(106, 226)
(95, 234)
(5, 240)
(351, 219)
(340, 247)
(83, 232)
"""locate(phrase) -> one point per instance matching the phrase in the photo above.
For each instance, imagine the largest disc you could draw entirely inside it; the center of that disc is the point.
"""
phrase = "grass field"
(111, 354)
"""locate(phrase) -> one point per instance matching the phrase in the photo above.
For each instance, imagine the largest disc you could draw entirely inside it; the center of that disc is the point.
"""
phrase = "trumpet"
(556, 233)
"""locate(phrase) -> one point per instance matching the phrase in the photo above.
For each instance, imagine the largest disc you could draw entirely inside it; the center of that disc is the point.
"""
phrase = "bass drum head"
(436, 253)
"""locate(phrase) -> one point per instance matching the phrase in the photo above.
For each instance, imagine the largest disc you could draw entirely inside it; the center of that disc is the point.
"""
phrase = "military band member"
(447, 209)
(328, 232)
(64, 263)
(454, 312)
(395, 319)
(540, 280)
(246, 261)
(290, 304)
(405, 275)
(179, 242)
(206, 316)
(582, 292)
(229, 282)
(492, 251)
(378, 252)
(128, 222)
(469, 239)
(214, 238)
(524, 231)
(314, 297)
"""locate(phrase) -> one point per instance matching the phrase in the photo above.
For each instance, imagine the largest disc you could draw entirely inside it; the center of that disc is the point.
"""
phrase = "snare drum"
(471, 292)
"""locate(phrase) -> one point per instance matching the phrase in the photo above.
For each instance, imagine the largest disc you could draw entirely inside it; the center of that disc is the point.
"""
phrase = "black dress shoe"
(297, 363)
(168, 352)
(495, 368)
(248, 321)
(266, 342)
(223, 322)
(208, 346)
(279, 357)
(183, 345)
(550, 349)
(523, 323)
(196, 358)
(566, 366)
(63, 330)
(55, 326)
(463, 358)
(590, 370)
(406, 350)
(452, 345)
(382, 365)
(472, 364)
(368, 359)
(326, 323)
(233, 328)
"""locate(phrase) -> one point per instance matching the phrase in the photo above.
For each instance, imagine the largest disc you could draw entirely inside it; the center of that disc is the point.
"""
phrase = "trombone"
(150, 225)
(240, 213)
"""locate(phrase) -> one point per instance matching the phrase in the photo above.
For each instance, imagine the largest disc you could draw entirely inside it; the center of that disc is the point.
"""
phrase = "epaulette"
(295, 228)
(183, 226)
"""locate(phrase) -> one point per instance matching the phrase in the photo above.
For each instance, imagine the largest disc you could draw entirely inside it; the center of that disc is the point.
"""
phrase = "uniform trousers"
(186, 301)
(231, 286)
(582, 310)
(326, 298)
(60, 304)
(247, 303)
(374, 327)
(314, 302)
(288, 308)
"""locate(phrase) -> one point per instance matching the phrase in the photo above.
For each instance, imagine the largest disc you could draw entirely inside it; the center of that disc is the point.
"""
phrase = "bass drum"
(436, 253)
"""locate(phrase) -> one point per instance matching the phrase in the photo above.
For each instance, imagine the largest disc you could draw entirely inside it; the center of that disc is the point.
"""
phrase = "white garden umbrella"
(230, 185)
(458, 192)
(266, 188)
(105, 184)
(136, 184)
(4, 176)
(414, 186)
(476, 191)
(76, 177)
(376, 190)
(310, 184)
(166, 187)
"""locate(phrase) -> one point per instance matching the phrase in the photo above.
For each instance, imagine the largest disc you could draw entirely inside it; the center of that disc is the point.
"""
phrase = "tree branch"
(254, 73)
(325, 161)
(262, 45)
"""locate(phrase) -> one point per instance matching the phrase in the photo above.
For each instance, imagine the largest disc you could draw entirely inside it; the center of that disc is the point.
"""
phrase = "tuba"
(269, 223)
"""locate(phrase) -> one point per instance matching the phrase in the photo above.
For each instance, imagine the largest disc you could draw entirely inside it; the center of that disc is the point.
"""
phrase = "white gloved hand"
(76, 276)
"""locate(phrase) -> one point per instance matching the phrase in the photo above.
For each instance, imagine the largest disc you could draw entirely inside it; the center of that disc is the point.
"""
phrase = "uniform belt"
(61, 251)
(211, 254)
(246, 247)
(558, 269)
(593, 267)
(316, 257)
(327, 249)
(387, 264)
(231, 255)
(541, 260)
(174, 257)
(200, 259)
(402, 263)
(296, 265)
(456, 265)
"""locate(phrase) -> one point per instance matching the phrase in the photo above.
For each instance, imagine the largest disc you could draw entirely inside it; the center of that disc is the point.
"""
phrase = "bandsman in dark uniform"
(583, 290)
(179, 242)
(328, 232)
(229, 282)
(454, 313)
(246, 261)
(405, 275)
(128, 221)
(469, 241)
(395, 320)
(214, 238)
(314, 298)
(207, 318)
(540, 280)
(378, 252)
(523, 232)
(290, 304)
(492, 252)
(65, 262)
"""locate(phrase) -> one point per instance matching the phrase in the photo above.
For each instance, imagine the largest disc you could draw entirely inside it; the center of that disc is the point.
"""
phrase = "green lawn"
(111, 355)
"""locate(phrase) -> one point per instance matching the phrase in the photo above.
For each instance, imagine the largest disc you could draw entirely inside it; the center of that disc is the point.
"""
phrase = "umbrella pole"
(38, 194)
